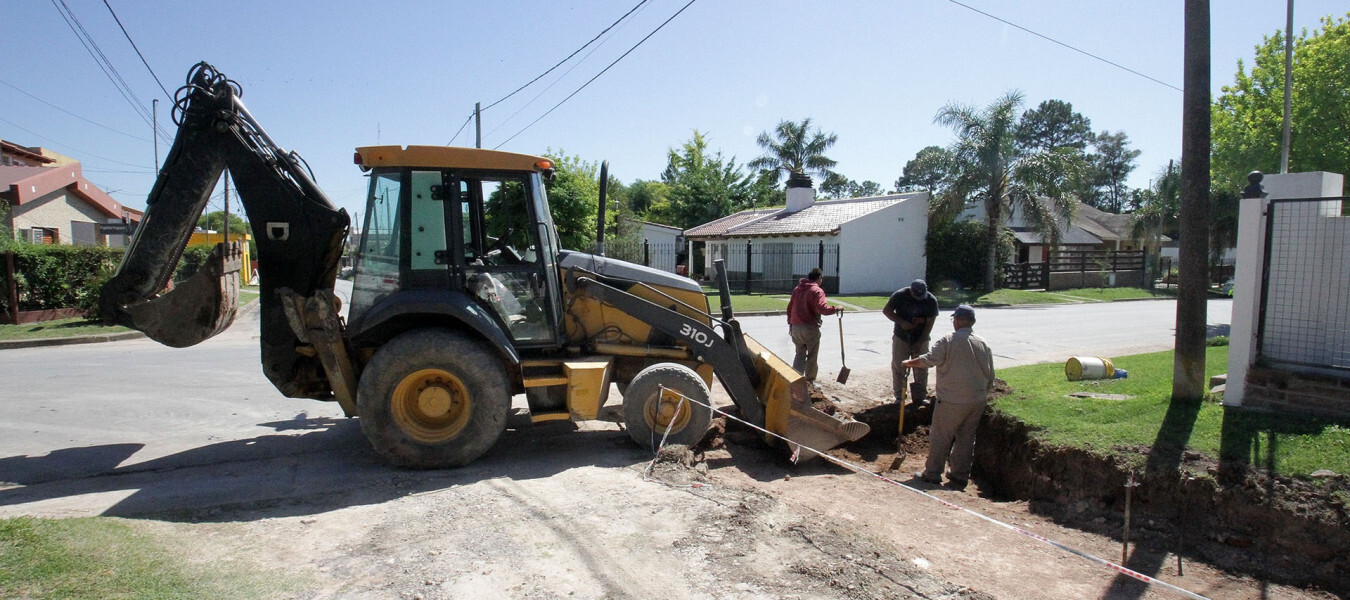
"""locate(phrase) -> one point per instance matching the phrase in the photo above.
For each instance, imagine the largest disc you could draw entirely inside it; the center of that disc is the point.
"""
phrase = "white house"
(863, 245)
(45, 199)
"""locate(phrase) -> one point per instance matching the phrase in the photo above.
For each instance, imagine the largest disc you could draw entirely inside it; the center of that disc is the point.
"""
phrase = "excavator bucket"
(195, 309)
(788, 411)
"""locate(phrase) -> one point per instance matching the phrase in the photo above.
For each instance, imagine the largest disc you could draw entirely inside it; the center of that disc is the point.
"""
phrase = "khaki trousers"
(952, 434)
(806, 341)
(900, 351)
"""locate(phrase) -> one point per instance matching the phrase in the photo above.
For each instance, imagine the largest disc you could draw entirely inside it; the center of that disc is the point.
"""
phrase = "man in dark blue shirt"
(913, 310)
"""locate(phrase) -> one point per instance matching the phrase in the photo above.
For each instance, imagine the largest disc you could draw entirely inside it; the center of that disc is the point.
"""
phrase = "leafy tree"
(990, 166)
(1248, 117)
(925, 171)
(1054, 125)
(574, 197)
(1114, 162)
(215, 221)
(795, 148)
(838, 186)
(703, 186)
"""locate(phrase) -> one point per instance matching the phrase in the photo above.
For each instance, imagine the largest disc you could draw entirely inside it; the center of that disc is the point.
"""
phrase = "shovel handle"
(841, 338)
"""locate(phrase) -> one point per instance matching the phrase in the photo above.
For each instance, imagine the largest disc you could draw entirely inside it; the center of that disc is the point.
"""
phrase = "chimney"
(800, 194)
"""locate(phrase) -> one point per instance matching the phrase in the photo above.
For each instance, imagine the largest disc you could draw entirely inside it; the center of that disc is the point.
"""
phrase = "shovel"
(900, 455)
(843, 366)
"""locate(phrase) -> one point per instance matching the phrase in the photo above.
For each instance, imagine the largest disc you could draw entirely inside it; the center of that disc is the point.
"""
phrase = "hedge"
(957, 252)
(56, 276)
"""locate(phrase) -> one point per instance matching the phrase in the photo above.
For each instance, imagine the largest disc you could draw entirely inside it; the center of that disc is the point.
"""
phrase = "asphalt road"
(133, 427)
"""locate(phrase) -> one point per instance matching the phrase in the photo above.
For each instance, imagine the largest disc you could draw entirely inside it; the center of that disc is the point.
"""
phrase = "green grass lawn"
(745, 303)
(1285, 444)
(96, 558)
(78, 326)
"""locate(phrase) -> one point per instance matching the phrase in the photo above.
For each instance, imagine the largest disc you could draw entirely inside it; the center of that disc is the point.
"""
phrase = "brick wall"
(1297, 392)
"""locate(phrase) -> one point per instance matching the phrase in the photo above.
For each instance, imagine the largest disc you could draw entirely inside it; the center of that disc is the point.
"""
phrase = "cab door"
(504, 262)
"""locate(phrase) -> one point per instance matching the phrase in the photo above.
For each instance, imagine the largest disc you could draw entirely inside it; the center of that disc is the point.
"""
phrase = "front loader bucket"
(195, 309)
(788, 412)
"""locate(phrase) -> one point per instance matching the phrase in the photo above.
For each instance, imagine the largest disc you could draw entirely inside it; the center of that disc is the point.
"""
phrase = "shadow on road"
(330, 465)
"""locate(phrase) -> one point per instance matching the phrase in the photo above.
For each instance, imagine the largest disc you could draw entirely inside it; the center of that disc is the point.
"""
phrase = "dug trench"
(1241, 519)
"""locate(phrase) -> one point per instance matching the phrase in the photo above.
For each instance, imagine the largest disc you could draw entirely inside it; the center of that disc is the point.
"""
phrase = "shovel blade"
(843, 375)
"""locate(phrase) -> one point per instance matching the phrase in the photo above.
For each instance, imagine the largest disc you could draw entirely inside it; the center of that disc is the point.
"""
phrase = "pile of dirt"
(677, 465)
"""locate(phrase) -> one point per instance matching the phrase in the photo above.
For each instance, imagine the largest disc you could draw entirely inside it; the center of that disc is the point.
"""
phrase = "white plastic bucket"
(1089, 367)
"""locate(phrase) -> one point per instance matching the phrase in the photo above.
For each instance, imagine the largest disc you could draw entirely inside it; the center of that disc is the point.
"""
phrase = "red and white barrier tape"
(858, 469)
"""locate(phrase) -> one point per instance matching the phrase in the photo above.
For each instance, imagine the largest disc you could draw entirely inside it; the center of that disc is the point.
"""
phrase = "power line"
(1055, 41)
(461, 129)
(569, 56)
(38, 135)
(134, 137)
(597, 75)
(502, 122)
(138, 51)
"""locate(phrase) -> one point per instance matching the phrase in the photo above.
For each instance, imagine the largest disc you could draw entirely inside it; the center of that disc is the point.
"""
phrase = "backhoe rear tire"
(433, 398)
(647, 416)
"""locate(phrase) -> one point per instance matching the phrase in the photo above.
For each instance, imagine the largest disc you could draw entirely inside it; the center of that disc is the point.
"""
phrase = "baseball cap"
(918, 287)
(964, 311)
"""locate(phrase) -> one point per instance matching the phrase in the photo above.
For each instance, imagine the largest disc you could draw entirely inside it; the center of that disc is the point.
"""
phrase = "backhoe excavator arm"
(299, 236)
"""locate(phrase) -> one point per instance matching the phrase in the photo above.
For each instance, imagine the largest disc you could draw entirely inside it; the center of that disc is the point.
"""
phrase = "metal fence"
(769, 266)
(1031, 276)
(1304, 318)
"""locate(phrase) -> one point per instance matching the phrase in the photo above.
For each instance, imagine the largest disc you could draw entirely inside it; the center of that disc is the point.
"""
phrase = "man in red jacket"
(804, 310)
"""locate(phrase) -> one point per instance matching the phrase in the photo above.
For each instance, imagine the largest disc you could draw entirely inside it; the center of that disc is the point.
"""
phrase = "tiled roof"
(1073, 236)
(25, 184)
(1105, 225)
(822, 217)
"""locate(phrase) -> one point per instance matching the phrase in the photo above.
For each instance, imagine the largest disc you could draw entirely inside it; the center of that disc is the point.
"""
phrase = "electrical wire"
(503, 122)
(96, 124)
(138, 50)
(100, 58)
(461, 129)
(1055, 41)
(38, 135)
(597, 75)
(569, 56)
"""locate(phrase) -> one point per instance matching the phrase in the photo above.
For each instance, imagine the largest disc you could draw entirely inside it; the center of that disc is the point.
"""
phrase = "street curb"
(100, 337)
(69, 341)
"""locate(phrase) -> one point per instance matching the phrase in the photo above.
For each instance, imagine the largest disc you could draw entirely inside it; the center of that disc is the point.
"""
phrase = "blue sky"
(325, 77)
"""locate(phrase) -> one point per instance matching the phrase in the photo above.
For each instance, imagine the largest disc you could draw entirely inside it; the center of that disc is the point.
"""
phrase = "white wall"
(657, 234)
(884, 251)
(1326, 334)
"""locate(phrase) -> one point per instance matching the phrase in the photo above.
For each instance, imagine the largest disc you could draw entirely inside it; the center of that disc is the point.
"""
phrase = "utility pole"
(1288, 83)
(478, 124)
(1188, 368)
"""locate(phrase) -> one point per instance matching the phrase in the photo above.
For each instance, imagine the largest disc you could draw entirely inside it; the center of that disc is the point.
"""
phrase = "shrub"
(957, 252)
(58, 276)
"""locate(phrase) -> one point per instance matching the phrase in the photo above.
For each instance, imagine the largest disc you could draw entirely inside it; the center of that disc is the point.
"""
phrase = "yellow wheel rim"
(668, 410)
(431, 406)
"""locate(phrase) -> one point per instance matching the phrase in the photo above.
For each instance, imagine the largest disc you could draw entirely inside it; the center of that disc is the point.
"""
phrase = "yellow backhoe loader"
(462, 298)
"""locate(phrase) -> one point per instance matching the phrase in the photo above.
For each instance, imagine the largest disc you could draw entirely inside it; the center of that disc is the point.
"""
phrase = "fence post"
(747, 266)
(646, 253)
(820, 263)
(13, 288)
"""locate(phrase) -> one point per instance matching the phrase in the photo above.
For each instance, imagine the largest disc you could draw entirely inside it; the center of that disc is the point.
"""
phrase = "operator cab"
(460, 221)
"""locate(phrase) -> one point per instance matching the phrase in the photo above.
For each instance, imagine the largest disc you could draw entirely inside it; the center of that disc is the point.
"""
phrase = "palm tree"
(987, 164)
(794, 148)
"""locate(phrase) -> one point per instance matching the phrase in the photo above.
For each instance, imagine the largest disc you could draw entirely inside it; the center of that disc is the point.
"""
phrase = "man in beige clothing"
(965, 374)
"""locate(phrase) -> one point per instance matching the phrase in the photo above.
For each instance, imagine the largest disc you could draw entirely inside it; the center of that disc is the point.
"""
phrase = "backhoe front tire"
(433, 398)
(647, 416)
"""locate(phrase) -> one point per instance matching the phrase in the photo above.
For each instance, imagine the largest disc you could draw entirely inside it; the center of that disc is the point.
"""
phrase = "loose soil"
(562, 510)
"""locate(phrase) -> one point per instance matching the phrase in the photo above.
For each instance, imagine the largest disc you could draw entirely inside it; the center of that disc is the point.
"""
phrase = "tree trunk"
(1188, 370)
(995, 218)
